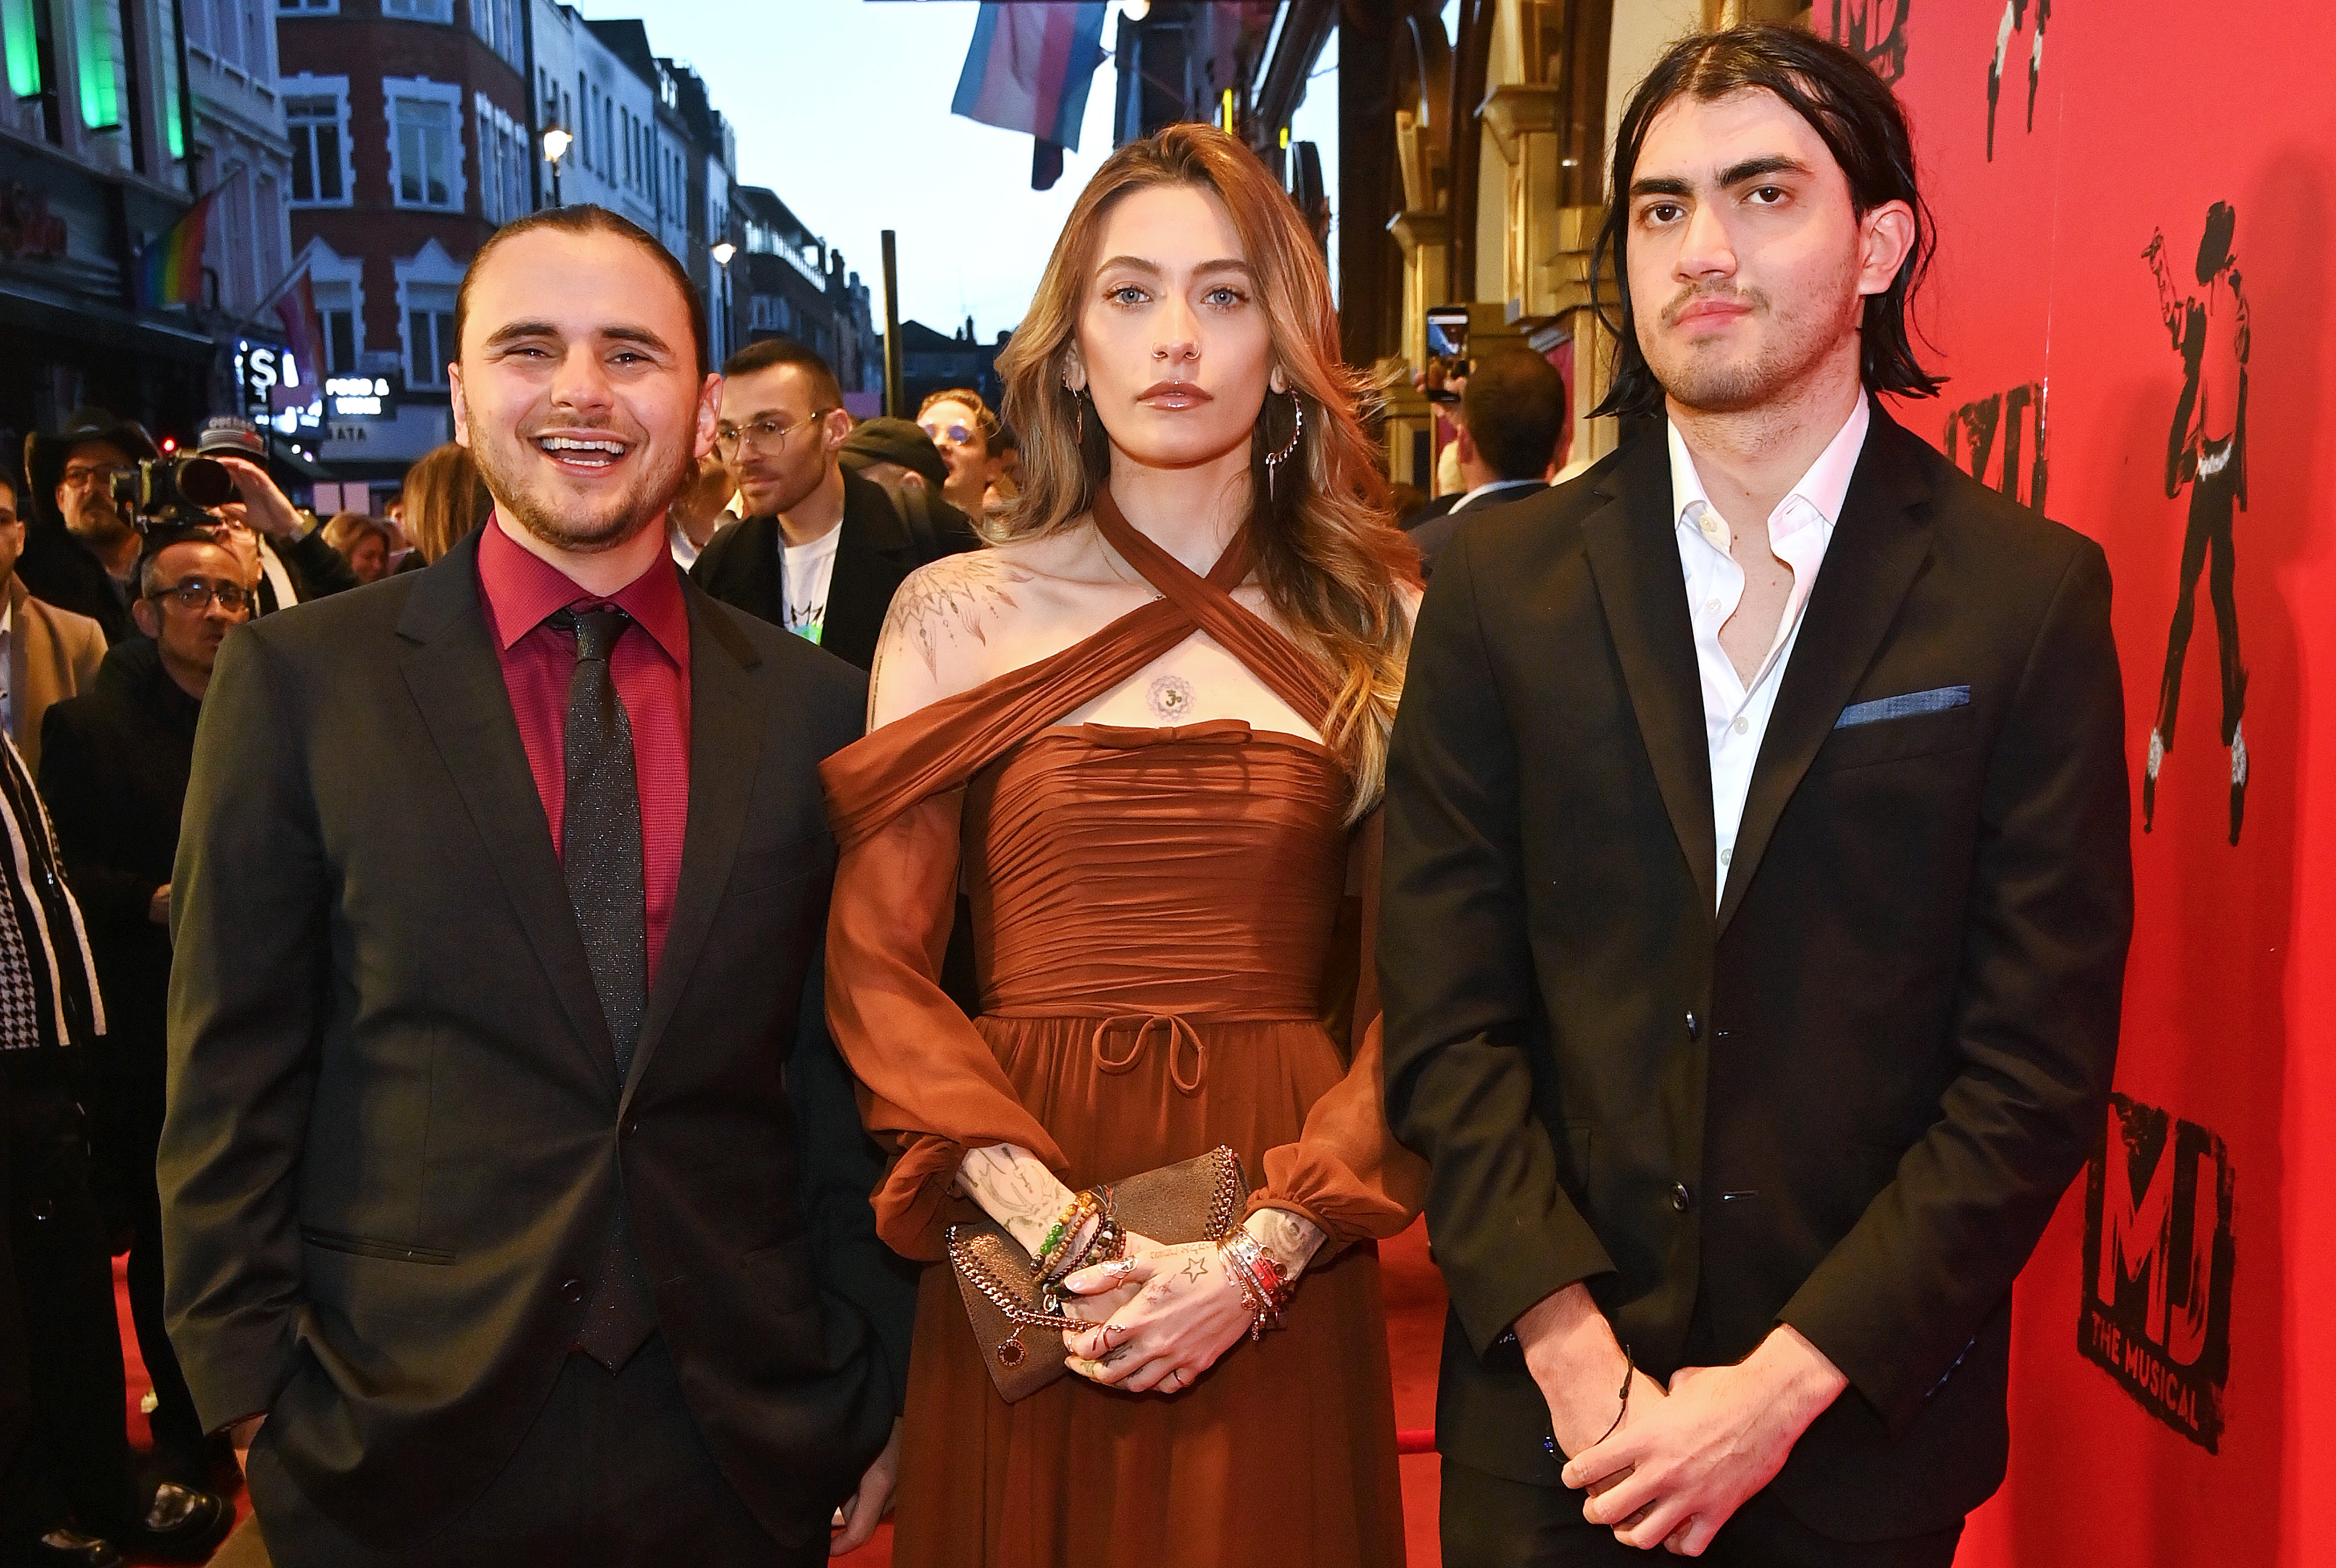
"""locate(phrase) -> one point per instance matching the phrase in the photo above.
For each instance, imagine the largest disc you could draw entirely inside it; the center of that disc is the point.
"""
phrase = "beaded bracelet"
(1259, 1278)
(1053, 1252)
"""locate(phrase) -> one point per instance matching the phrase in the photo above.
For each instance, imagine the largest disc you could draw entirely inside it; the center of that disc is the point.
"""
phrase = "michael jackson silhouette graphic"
(2015, 14)
(2206, 450)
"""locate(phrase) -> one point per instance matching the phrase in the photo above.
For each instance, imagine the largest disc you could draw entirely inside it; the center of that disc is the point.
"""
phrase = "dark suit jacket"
(396, 1140)
(316, 567)
(57, 567)
(1433, 529)
(1850, 1101)
(740, 567)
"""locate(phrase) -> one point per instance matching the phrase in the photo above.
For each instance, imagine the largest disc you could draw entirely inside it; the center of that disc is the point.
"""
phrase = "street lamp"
(556, 143)
(723, 252)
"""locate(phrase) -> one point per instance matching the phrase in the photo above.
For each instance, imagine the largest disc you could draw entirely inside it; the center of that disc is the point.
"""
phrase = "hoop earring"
(1275, 460)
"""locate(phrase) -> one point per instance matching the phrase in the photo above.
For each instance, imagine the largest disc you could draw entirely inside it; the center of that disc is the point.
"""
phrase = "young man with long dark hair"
(1757, 887)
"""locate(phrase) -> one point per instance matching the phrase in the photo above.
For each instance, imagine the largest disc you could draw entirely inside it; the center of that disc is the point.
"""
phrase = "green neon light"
(100, 37)
(17, 34)
(174, 119)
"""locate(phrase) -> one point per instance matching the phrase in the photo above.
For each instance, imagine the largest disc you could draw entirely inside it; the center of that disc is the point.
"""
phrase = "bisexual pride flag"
(1029, 70)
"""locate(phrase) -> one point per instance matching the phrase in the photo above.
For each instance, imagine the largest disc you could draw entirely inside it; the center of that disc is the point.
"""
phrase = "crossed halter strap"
(942, 746)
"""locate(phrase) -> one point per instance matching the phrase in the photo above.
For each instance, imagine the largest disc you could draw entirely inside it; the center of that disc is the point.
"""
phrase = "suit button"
(632, 1125)
(573, 1292)
(1694, 1027)
(1681, 1199)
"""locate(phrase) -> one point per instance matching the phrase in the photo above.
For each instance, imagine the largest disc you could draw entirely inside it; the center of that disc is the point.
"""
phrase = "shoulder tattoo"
(957, 596)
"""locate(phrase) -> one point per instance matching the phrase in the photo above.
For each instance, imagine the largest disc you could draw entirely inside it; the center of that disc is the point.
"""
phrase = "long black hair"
(1860, 123)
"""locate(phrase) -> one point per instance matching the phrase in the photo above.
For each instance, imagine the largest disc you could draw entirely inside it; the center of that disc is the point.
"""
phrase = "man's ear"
(836, 429)
(462, 403)
(709, 415)
(1465, 442)
(148, 614)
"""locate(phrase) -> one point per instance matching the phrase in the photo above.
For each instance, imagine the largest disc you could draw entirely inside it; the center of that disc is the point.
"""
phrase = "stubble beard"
(1787, 353)
(567, 527)
(98, 521)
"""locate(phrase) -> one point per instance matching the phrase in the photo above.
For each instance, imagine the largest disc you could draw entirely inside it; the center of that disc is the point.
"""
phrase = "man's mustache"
(1696, 294)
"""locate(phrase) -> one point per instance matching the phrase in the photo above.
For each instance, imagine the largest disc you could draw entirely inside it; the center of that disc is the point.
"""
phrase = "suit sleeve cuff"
(1537, 1262)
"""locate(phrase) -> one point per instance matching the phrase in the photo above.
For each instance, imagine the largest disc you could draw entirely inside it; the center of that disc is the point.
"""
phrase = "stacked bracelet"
(1058, 1257)
(1259, 1278)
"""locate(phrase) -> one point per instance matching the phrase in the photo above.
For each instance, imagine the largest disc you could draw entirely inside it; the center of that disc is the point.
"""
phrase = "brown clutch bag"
(1019, 1324)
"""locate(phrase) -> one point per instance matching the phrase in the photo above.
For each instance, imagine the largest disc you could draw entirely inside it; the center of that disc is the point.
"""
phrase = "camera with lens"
(172, 491)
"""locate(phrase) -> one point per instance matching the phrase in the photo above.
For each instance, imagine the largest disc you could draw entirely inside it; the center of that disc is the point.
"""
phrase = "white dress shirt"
(8, 660)
(1735, 712)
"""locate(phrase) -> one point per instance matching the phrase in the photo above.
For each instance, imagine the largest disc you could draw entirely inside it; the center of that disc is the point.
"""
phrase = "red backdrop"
(2145, 113)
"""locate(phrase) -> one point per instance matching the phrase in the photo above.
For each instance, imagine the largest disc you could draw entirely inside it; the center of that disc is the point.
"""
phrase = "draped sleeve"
(930, 1084)
(1346, 1172)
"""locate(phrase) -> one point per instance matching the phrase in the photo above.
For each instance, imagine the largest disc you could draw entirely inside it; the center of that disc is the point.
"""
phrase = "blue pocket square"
(1937, 700)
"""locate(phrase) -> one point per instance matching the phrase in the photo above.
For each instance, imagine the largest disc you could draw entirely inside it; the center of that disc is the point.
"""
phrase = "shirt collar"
(520, 590)
(1485, 490)
(1822, 489)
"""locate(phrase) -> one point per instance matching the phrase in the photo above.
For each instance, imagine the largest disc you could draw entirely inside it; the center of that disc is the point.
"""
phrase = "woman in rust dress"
(1145, 734)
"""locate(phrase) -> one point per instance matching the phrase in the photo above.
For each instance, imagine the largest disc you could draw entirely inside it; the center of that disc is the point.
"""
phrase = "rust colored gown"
(1155, 912)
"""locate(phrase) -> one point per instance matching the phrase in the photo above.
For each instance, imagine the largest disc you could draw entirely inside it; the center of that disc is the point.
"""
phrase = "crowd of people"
(575, 994)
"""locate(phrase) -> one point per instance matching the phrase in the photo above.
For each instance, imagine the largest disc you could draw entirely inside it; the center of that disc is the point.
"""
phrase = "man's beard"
(785, 491)
(564, 525)
(99, 521)
(1791, 349)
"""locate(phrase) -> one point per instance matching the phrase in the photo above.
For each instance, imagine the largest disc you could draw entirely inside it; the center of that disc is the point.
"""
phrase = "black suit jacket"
(740, 567)
(396, 1139)
(1851, 1099)
(1433, 528)
(59, 568)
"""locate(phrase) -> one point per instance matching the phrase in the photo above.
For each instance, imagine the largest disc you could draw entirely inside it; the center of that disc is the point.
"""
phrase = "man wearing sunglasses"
(113, 768)
(819, 548)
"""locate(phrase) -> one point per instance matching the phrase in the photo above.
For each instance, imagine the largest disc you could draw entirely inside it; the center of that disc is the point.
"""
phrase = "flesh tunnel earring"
(1275, 460)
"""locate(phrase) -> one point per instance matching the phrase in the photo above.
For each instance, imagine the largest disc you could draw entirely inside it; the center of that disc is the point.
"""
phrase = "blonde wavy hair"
(1328, 558)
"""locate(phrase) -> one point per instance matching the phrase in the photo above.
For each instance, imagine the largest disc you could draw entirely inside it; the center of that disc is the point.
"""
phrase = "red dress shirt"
(520, 590)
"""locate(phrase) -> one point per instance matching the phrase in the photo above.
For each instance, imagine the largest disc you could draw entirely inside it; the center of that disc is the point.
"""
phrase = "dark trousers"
(2207, 547)
(613, 1473)
(1489, 1522)
(64, 1451)
(177, 1431)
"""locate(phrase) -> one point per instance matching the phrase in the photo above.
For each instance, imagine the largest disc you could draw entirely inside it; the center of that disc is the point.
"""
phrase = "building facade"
(410, 138)
(97, 134)
(791, 284)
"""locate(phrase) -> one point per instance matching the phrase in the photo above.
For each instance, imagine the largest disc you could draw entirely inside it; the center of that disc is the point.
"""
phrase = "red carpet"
(1415, 1310)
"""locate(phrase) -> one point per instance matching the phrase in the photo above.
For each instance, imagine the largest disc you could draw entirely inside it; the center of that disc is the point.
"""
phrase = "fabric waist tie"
(1176, 1032)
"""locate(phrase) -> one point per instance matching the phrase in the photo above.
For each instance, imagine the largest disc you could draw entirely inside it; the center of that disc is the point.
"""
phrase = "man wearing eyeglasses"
(80, 552)
(47, 654)
(113, 768)
(820, 549)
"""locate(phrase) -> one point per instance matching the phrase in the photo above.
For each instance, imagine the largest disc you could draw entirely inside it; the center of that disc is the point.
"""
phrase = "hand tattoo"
(1289, 1238)
(1197, 1269)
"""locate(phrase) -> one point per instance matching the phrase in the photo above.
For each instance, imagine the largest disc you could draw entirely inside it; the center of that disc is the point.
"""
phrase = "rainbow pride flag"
(170, 269)
(1030, 67)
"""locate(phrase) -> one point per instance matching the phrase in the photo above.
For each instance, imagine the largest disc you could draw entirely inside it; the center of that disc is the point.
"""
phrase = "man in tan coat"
(52, 654)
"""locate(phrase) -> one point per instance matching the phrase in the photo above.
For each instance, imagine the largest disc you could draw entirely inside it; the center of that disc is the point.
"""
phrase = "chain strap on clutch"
(1005, 1293)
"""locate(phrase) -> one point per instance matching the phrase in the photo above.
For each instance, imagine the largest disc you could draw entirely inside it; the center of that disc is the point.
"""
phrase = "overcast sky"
(842, 107)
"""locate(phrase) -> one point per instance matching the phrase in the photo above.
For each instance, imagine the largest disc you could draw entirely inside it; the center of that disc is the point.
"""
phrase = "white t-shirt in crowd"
(804, 572)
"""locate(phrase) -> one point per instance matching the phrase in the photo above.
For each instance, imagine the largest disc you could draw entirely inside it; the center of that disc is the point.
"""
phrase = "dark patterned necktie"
(601, 855)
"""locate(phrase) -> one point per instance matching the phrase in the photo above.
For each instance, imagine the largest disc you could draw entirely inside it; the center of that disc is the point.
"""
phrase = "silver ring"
(1175, 1375)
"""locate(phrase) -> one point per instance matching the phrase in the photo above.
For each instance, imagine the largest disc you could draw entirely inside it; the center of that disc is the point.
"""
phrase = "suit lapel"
(1634, 560)
(457, 682)
(22, 629)
(1877, 549)
(725, 747)
(871, 556)
(752, 581)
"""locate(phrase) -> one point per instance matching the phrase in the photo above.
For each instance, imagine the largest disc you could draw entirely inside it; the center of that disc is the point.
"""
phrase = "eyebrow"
(516, 330)
(1733, 175)
(1137, 264)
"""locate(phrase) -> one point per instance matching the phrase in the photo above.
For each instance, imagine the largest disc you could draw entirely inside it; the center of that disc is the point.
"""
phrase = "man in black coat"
(81, 550)
(113, 766)
(509, 1170)
(820, 549)
(1512, 412)
(1758, 889)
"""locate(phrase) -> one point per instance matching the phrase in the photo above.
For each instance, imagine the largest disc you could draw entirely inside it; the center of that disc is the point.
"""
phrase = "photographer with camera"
(286, 556)
(81, 543)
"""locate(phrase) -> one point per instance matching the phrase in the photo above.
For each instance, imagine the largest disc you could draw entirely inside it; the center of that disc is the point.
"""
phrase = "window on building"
(425, 152)
(318, 128)
(428, 333)
(420, 10)
(308, 8)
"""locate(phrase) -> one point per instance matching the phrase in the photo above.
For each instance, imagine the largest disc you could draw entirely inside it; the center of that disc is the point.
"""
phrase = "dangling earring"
(1275, 460)
(1078, 407)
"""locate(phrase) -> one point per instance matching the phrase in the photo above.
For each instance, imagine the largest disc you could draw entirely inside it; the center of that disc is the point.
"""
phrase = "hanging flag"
(170, 269)
(303, 382)
(1029, 70)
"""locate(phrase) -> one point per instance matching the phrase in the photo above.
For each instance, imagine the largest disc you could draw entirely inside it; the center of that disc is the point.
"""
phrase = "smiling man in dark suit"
(1757, 889)
(508, 1172)
(820, 549)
